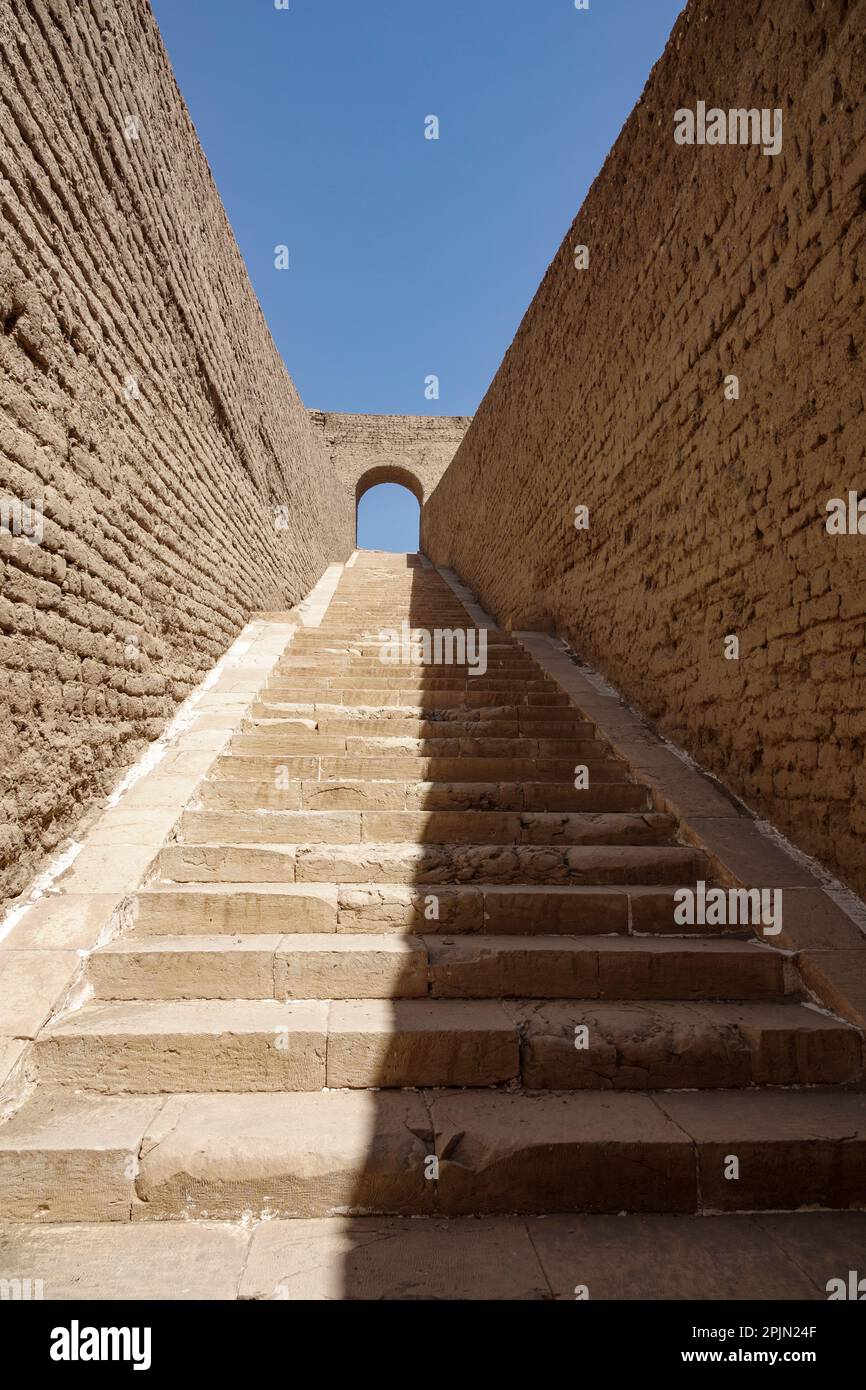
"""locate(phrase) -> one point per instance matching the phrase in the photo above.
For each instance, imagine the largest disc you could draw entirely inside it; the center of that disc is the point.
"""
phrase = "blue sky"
(408, 257)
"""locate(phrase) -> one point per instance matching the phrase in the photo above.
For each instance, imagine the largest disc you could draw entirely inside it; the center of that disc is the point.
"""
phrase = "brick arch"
(389, 473)
(410, 450)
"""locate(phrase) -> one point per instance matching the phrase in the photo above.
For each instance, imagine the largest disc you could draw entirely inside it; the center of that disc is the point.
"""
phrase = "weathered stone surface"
(64, 922)
(554, 1152)
(270, 827)
(72, 1158)
(148, 1046)
(400, 907)
(656, 1046)
(306, 1154)
(600, 967)
(185, 967)
(443, 863)
(393, 1258)
(795, 1149)
(185, 1261)
(350, 967)
(32, 985)
(420, 1043)
(683, 1257)
(210, 908)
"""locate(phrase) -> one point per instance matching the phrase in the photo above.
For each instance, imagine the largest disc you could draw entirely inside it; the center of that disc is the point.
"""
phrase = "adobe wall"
(141, 397)
(364, 450)
(706, 514)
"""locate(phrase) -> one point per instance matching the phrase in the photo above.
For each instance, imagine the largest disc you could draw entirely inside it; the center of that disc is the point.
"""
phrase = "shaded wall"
(706, 515)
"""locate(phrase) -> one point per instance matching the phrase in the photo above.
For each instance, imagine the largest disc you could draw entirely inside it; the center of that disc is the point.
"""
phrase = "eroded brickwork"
(706, 515)
(143, 399)
(365, 450)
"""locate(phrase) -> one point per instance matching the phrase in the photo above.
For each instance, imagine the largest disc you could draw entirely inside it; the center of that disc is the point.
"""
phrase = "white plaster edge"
(312, 609)
(467, 598)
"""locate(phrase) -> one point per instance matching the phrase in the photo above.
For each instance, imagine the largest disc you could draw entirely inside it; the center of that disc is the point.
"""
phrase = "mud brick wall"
(143, 400)
(706, 515)
(365, 450)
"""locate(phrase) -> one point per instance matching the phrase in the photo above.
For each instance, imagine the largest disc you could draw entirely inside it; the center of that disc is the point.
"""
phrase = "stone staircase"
(395, 963)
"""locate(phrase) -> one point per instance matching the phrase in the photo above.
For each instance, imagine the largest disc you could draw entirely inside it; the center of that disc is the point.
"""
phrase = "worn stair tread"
(507, 908)
(252, 1045)
(346, 794)
(430, 863)
(260, 967)
(484, 827)
(602, 967)
(187, 1045)
(318, 1154)
(680, 1045)
(237, 767)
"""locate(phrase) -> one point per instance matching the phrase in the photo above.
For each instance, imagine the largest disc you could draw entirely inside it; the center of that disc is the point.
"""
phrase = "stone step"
(178, 1046)
(426, 827)
(308, 639)
(260, 966)
(319, 714)
(238, 767)
(397, 693)
(364, 638)
(568, 752)
(148, 1046)
(317, 1154)
(332, 663)
(283, 687)
(513, 909)
(506, 722)
(265, 721)
(152, 1046)
(229, 908)
(593, 1152)
(385, 966)
(431, 864)
(335, 795)
(407, 908)
(674, 1045)
(585, 967)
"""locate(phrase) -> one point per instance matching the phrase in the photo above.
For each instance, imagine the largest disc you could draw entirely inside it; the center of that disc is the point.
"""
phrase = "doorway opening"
(388, 517)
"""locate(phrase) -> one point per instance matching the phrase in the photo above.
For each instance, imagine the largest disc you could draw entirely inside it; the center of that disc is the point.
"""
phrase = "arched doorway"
(388, 502)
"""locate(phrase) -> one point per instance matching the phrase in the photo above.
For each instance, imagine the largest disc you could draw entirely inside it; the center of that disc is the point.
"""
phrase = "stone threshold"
(791, 1256)
(823, 924)
(78, 903)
